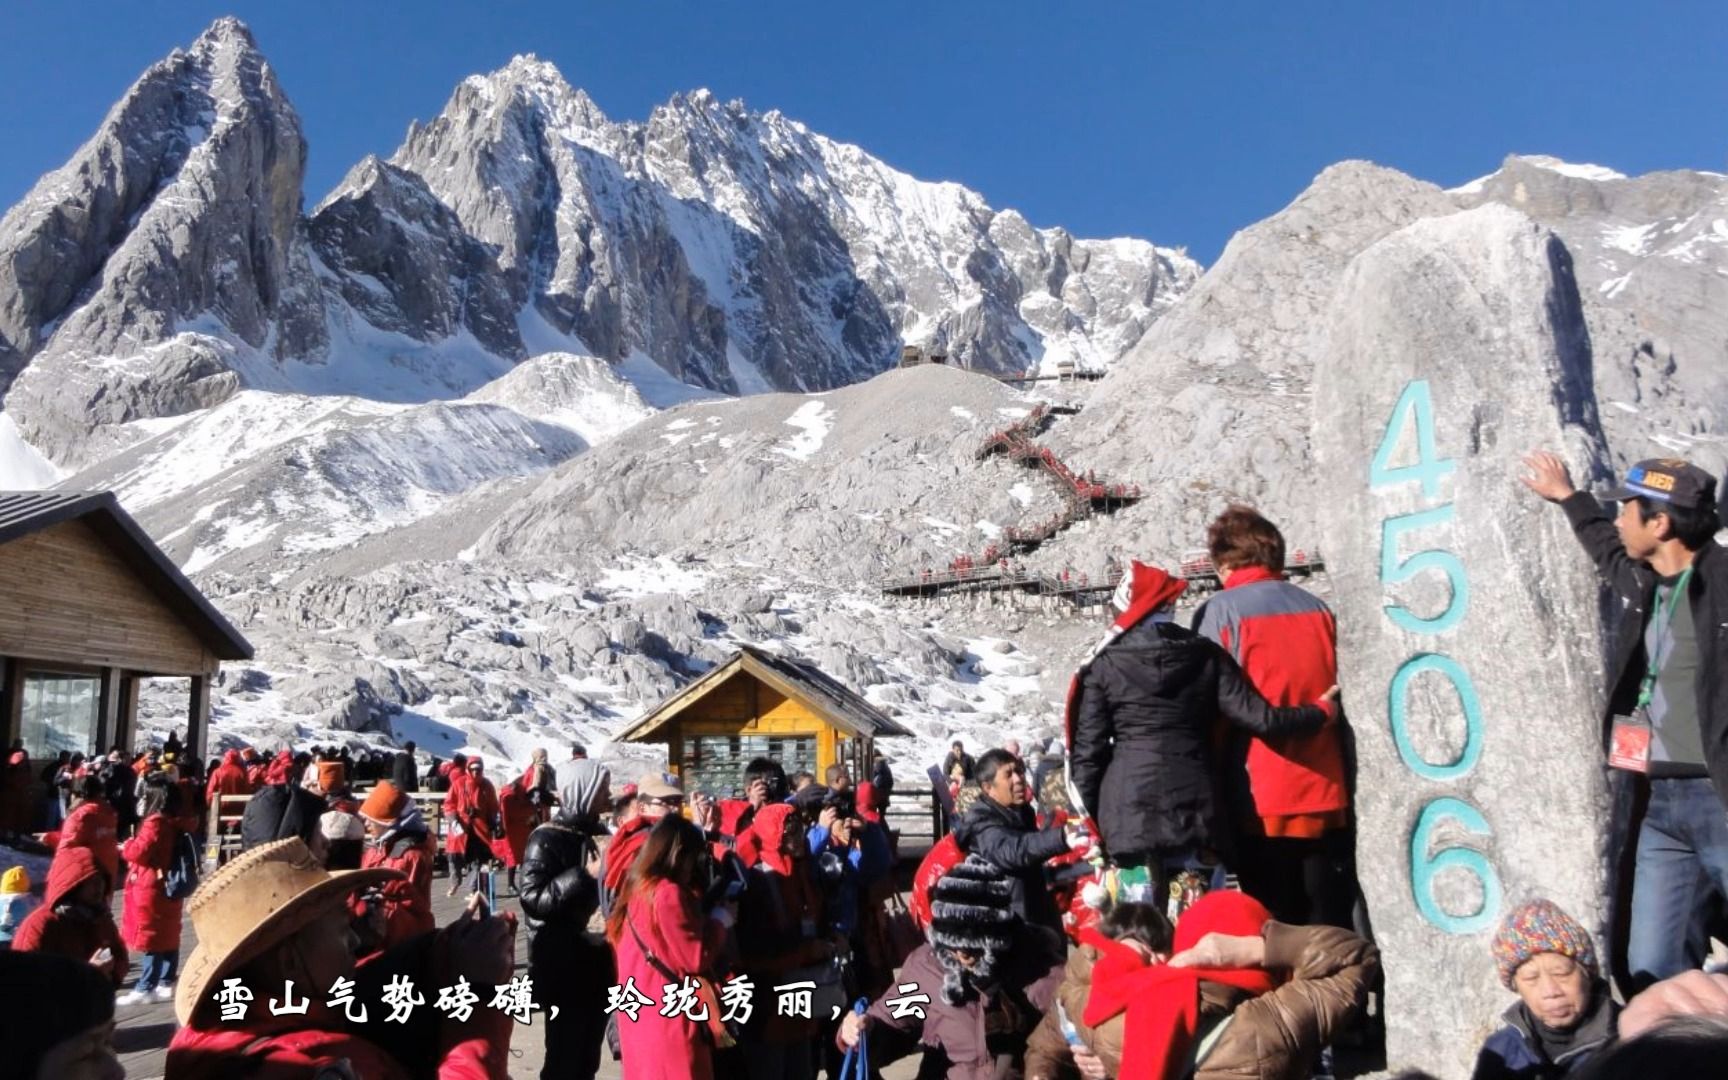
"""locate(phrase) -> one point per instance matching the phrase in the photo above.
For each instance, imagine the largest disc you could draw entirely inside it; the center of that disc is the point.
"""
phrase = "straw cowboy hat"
(264, 895)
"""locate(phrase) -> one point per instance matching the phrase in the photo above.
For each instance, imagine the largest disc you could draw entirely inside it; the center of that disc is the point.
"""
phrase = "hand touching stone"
(1548, 476)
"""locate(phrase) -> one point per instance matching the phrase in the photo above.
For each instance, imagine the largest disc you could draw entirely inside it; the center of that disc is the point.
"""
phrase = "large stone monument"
(1470, 635)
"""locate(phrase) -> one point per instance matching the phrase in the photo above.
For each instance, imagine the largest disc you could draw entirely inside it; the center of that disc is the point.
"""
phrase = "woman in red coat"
(74, 919)
(93, 825)
(520, 816)
(471, 807)
(660, 912)
(149, 920)
(397, 839)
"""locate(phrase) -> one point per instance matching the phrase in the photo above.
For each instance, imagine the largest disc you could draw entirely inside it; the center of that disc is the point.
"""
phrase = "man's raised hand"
(1547, 475)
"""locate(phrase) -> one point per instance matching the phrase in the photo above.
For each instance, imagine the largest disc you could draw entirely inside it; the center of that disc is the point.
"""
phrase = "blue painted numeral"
(1398, 705)
(1424, 869)
(1414, 405)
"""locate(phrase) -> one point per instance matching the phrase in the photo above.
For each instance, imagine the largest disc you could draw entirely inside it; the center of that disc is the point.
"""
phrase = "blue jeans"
(157, 969)
(1682, 858)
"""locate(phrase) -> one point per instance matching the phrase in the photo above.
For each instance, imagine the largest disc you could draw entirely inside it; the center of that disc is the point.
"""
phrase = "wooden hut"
(756, 705)
(89, 606)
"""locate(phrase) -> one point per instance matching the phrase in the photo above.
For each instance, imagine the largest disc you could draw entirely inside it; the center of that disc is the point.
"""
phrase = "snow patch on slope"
(22, 468)
(814, 419)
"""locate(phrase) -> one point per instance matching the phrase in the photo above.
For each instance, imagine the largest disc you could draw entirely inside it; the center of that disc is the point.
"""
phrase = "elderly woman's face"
(1555, 988)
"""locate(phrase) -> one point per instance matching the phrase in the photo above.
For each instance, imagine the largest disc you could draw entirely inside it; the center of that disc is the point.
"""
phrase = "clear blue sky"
(1180, 123)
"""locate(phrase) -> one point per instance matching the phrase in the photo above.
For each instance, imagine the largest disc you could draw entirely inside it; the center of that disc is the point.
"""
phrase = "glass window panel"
(60, 712)
(716, 763)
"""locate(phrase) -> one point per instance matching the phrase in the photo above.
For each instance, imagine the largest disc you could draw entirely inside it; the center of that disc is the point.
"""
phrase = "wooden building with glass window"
(758, 704)
(90, 607)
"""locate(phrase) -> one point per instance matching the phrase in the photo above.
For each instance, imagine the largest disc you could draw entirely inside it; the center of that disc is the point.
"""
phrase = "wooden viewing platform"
(1075, 589)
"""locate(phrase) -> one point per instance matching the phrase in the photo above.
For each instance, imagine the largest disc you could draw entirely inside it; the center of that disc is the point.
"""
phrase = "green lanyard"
(1665, 615)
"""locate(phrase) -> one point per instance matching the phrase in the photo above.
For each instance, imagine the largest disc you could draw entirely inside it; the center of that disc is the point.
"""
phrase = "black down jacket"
(1143, 757)
(1009, 837)
(554, 882)
(559, 896)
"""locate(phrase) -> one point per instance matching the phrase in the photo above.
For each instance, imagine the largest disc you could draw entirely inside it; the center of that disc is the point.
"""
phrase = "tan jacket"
(1273, 1037)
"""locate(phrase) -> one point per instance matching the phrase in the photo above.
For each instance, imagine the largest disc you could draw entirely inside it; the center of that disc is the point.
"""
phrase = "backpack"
(183, 869)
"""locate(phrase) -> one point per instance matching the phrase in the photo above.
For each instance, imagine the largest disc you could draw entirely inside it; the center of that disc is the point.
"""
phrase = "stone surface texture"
(1481, 309)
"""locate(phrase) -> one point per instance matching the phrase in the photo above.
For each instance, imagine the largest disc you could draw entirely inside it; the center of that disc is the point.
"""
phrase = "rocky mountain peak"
(537, 84)
(227, 35)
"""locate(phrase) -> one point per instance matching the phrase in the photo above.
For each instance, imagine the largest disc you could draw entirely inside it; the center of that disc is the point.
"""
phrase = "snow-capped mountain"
(169, 267)
(743, 251)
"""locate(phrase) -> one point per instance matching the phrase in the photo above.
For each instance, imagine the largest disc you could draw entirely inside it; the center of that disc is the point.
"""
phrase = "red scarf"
(1162, 1003)
(621, 852)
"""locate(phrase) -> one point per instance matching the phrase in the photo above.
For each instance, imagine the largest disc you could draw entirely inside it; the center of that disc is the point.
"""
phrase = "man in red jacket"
(1290, 800)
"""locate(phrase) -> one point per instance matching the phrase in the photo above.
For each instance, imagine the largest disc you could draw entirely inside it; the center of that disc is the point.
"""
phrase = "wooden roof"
(26, 512)
(801, 680)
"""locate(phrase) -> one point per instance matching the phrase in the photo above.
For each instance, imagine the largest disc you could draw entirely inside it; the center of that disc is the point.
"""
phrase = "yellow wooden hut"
(758, 704)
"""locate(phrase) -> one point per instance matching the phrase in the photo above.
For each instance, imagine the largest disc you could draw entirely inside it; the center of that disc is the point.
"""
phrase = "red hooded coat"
(280, 769)
(407, 901)
(229, 778)
(520, 817)
(75, 932)
(92, 825)
(149, 921)
(670, 923)
(470, 807)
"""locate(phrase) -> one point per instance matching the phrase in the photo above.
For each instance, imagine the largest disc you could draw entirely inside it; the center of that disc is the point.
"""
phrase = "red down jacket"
(149, 921)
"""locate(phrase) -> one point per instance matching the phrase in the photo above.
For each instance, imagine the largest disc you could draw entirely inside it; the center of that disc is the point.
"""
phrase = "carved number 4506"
(1415, 409)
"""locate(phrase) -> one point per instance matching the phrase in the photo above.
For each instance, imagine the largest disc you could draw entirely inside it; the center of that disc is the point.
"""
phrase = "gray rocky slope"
(169, 266)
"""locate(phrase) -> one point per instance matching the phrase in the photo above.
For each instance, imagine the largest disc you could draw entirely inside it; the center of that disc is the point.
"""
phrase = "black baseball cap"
(1670, 480)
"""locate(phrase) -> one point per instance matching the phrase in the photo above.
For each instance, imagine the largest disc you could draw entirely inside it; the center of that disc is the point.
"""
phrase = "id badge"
(1629, 742)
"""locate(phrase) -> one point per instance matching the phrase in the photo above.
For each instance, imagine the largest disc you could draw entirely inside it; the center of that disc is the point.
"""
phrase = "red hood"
(280, 769)
(769, 826)
(232, 757)
(72, 866)
(867, 807)
(621, 853)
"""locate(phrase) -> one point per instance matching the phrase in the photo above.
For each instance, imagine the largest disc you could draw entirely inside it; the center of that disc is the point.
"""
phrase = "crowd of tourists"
(1168, 891)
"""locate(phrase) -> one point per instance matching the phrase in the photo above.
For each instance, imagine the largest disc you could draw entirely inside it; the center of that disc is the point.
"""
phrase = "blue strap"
(856, 1064)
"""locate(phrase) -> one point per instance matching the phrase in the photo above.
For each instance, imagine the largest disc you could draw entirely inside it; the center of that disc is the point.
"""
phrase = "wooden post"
(197, 714)
(11, 701)
(110, 707)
